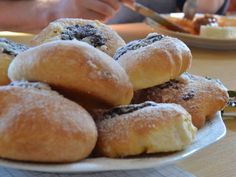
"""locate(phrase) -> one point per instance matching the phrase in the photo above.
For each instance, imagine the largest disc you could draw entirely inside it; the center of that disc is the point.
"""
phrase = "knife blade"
(139, 8)
(230, 110)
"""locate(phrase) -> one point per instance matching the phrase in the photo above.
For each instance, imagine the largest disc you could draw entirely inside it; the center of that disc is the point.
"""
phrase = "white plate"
(212, 132)
(195, 40)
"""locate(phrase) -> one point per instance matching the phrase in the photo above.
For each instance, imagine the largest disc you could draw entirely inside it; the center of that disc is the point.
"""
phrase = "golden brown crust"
(5, 61)
(54, 29)
(156, 63)
(200, 96)
(78, 70)
(42, 126)
(151, 129)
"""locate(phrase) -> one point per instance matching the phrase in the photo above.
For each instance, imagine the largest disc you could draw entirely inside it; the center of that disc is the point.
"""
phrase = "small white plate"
(209, 134)
(196, 40)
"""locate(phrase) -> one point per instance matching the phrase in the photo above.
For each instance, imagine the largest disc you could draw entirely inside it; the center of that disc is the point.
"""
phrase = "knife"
(230, 109)
(139, 8)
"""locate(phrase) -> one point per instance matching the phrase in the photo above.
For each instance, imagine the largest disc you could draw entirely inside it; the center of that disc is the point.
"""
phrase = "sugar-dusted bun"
(154, 60)
(144, 128)
(95, 33)
(201, 97)
(40, 125)
(77, 70)
(8, 50)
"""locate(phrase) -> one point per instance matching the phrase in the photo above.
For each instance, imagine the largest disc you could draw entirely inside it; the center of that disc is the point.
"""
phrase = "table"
(219, 159)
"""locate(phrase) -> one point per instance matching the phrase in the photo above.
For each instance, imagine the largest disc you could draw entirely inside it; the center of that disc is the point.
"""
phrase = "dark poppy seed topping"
(188, 95)
(87, 33)
(170, 84)
(127, 109)
(26, 84)
(133, 45)
(11, 48)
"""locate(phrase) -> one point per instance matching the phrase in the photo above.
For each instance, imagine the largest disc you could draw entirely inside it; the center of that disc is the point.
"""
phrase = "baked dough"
(77, 70)
(201, 97)
(8, 50)
(154, 60)
(144, 128)
(95, 33)
(39, 125)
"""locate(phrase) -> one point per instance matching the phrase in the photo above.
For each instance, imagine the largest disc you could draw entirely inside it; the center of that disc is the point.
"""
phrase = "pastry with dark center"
(144, 128)
(136, 44)
(201, 97)
(87, 33)
(92, 32)
(153, 60)
(8, 50)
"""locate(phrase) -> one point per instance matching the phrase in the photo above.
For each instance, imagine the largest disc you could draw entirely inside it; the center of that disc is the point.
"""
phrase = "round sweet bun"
(8, 51)
(95, 33)
(201, 97)
(144, 128)
(154, 60)
(39, 125)
(77, 70)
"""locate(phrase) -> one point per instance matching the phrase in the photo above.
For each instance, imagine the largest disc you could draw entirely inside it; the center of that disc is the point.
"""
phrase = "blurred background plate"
(195, 40)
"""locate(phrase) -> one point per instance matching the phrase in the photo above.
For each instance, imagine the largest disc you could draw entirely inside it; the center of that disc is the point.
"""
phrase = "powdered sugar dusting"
(148, 117)
(150, 129)
(44, 106)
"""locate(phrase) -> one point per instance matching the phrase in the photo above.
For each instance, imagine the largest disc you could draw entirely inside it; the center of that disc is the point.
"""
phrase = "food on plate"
(39, 125)
(8, 50)
(186, 24)
(218, 32)
(205, 24)
(201, 97)
(206, 20)
(77, 70)
(73, 58)
(153, 60)
(94, 33)
(144, 128)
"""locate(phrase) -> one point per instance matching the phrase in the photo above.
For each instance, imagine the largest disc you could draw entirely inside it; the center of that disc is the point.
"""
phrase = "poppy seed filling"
(133, 45)
(11, 48)
(87, 33)
(127, 109)
(26, 84)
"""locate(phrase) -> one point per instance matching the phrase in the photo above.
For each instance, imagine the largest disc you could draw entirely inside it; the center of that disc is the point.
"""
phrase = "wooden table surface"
(219, 159)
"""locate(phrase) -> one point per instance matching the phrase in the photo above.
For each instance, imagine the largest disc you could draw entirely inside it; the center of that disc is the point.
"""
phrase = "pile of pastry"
(80, 90)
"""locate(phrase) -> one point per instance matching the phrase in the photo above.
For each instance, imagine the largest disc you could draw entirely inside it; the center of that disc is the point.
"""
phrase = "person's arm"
(23, 15)
(33, 15)
(210, 6)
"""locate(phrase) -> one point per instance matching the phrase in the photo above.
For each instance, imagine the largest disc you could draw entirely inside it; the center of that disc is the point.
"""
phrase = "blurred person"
(232, 7)
(125, 15)
(33, 15)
